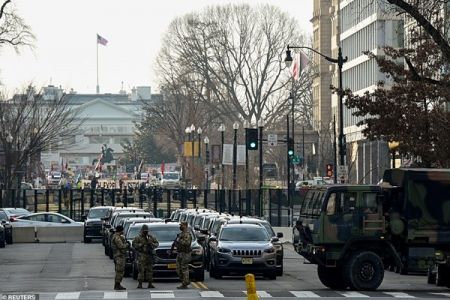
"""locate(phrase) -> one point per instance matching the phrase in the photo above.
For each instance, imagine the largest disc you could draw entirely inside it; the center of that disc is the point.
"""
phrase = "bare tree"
(234, 53)
(13, 30)
(30, 124)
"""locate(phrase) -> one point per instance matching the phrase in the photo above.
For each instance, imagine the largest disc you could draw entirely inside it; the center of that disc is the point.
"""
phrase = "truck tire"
(364, 271)
(331, 277)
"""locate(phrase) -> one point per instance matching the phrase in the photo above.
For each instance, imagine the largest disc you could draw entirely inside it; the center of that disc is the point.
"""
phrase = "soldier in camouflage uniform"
(119, 246)
(145, 244)
(183, 245)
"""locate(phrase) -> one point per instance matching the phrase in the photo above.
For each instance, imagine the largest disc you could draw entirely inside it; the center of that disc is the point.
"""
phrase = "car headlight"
(223, 250)
(269, 250)
(197, 251)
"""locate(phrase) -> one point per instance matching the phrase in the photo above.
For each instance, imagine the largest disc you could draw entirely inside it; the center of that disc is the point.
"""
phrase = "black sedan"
(165, 262)
(5, 230)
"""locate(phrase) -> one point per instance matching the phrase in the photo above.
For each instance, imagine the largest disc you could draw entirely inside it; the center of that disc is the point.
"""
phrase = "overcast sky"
(65, 50)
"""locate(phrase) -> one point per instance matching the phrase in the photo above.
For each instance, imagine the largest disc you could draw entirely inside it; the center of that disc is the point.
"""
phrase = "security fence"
(270, 204)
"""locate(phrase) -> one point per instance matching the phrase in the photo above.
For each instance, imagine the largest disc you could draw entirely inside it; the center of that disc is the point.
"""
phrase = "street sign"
(296, 159)
(342, 173)
(272, 139)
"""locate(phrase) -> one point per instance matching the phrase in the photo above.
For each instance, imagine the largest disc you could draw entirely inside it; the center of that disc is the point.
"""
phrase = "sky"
(64, 52)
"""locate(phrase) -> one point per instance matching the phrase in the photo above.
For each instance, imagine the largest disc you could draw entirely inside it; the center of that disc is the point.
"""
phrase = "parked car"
(277, 245)
(45, 219)
(106, 225)
(13, 213)
(243, 248)
(7, 228)
(93, 222)
(115, 221)
(165, 262)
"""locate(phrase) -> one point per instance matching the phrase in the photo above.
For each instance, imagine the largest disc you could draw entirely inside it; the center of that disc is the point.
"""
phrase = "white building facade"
(359, 26)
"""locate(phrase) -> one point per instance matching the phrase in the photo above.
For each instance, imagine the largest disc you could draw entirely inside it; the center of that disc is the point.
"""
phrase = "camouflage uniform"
(119, 248)
(183, 244)
(145, 244)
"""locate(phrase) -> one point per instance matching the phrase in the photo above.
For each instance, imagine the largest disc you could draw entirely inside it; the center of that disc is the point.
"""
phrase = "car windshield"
(172, 176)
(3, 216)
(198, 220)
(98, 213)
(244, 234)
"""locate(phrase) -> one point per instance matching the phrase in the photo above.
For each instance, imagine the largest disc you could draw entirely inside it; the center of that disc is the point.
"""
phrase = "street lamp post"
(235, 128)
(340, 60)
(206, 141)
(188, 133)
(393, 145)
(193, 152)
(199, 133)
(247, 191)
(261, 127)
(222, 131)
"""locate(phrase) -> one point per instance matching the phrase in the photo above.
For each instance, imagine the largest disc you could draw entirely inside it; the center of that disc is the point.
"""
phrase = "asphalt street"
(82, 271)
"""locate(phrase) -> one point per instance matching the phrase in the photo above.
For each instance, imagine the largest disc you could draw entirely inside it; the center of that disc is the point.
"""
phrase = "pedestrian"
(145, 245)
(183, 245)
(119, 248)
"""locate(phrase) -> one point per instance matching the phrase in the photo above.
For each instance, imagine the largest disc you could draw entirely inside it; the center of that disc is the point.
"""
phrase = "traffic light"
(290, 147)
(329, 170)
(251, 138)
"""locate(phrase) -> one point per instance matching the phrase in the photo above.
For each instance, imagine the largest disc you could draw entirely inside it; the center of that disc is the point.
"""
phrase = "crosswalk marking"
(442, 294)
(261, 294)
(399, 295)
(115, 295)
(61, 296)
(211, 294)
(354, 295)
(161, 294)
(304, 294)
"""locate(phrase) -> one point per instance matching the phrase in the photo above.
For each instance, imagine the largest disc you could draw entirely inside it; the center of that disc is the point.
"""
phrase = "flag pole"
(98, 88)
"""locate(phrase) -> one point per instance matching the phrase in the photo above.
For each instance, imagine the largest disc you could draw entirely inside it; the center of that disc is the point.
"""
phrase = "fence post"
(47, 199)
(113, 197)
(215, 201)
(205, 199)
(24, 199)
(240, 202)
(1, 197)
(149, 198)
(91, 202)
(140, 198)
(168, 203)
(194, 202)
(270, 207)
(82, 201)
(125, 197)
(155, 202)
(13, 199)
(279, 193)
(60, 200)
(259, 203)
(71, 204)
(229, 202)
(103, 197)
(35, 201)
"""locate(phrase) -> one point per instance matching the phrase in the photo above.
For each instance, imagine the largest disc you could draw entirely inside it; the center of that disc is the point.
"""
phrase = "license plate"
(247, 260)
(171, 266)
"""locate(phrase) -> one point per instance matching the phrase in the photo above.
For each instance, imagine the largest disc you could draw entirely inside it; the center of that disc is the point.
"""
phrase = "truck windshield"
(171, 176)
(312, 203)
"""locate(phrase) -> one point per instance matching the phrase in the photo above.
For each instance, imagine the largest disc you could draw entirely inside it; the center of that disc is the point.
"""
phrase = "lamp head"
(188, 130)
(192, 128)
(288, 60)
(235, 125)
(221, 128)
(199, 130)
(206, 140)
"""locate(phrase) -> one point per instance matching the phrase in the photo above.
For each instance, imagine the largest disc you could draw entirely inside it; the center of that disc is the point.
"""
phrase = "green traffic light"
(252, 145)
(290, 152)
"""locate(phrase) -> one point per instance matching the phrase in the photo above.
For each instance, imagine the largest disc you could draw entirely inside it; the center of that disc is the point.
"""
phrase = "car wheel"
(9, 239)
(135, 272)
(199, 274)
(431, 276)
(86, 240)
(280, 271)
(2, 243)
(364, 271)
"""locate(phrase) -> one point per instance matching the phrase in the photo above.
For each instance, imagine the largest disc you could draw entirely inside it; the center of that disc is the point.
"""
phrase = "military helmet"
(184, 223)
(144, 227)
(119, 228)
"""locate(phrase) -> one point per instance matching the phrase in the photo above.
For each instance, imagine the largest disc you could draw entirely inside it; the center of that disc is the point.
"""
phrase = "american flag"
(300, 63)
(101, 40)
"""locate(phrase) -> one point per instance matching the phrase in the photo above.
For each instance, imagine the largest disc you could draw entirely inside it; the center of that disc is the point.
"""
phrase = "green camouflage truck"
(354, 232)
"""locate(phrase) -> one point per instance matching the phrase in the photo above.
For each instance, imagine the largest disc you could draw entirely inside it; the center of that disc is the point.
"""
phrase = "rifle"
(174, 244)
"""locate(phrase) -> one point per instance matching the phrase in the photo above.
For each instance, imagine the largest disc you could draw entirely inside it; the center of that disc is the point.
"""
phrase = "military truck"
(352, 232)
